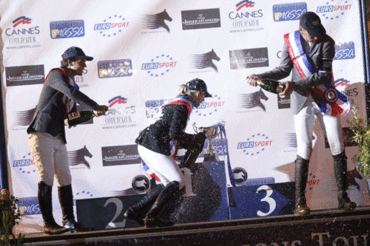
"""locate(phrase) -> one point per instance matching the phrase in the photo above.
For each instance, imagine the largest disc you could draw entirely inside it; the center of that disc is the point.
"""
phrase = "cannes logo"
(117, 100)
(21, 20)
(342, 82)
(245, 3)
(157, 21)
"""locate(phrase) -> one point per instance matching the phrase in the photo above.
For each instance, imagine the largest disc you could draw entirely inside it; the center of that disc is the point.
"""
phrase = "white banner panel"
(143, 50)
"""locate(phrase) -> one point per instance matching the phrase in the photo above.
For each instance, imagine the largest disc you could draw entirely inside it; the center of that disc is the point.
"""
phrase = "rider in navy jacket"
(47, 138)
(154, 146)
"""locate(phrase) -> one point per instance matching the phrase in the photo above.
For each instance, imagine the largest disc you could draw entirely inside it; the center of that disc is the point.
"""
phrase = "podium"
(208, 200)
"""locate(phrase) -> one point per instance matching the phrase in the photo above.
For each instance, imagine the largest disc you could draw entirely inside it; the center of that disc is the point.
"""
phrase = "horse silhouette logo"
(253, 100)
(201, 61)
(157, 21)
(140, 184)
(24, 118)
(240, 175)
(290, 140)
(77, 157)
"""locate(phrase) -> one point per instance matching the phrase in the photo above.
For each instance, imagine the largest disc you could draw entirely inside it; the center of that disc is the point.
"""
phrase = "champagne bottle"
(191, 155)
(271, 85)
(79, 117)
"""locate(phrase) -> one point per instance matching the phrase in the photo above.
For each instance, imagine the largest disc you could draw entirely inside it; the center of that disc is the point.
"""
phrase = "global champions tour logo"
(111, 26)
(203, 61)
(77, 157)
(245, 17)
(22, 32)
(159, 66)
(156, 21)
(252, 100)
(24, 118)
(255, 145)
(333, 12)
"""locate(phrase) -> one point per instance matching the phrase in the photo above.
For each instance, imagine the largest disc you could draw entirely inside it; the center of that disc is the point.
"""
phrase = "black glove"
(199, 140)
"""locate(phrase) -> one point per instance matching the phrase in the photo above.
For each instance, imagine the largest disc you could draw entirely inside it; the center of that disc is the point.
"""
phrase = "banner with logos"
(143, 50)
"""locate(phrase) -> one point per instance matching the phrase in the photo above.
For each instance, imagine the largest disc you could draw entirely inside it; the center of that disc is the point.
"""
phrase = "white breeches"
(304, 124)
(51, 158)
(165, 167)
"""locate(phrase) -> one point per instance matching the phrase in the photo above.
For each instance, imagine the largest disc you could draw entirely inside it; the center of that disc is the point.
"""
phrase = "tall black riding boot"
(46, 208)
(66, 202)
(301, 173)
(152, 217)
(135, 212)
(340, 170)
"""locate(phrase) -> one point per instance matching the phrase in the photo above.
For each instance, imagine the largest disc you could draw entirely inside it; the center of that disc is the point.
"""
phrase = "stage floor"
(326, 225)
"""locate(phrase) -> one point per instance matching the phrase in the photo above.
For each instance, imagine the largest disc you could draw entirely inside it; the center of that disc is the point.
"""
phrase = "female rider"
(154, 148)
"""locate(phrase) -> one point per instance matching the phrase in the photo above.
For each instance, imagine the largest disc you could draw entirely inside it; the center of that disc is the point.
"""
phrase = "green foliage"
(361, 136)
(8, 218)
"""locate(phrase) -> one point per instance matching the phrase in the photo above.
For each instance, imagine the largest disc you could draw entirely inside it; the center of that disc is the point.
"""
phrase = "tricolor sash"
(332, 102)
(182, 100)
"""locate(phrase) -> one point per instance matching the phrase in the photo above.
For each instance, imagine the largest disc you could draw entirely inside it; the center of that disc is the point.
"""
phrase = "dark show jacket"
(51, 109)
(321, 55)
(170, 126)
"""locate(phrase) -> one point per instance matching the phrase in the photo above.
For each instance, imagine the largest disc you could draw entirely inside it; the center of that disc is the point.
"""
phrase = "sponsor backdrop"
(143, 50)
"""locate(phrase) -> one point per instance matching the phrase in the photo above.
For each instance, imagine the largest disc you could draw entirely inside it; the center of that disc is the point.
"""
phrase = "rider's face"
(199, 98)
(77, 66)
(308, 37)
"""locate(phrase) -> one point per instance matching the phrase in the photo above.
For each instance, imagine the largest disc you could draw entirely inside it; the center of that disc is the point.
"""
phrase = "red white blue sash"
(333, 102)
(182, 100)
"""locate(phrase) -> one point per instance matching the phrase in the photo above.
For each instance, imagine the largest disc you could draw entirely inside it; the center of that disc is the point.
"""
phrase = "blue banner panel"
(261, 200)
(106, 213)
(217, 171)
